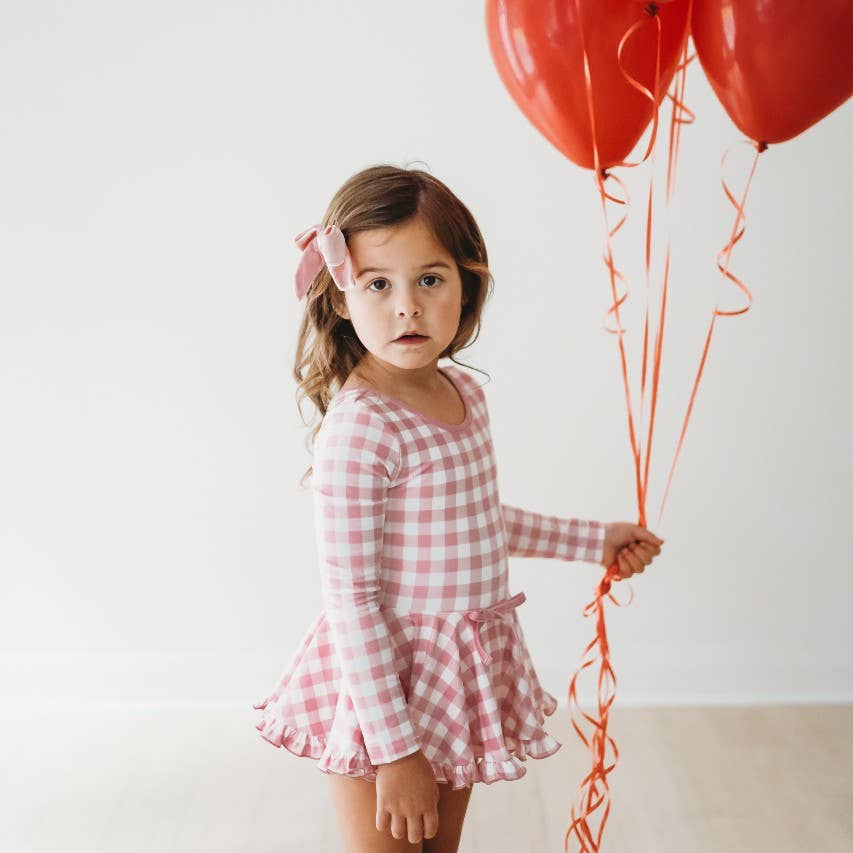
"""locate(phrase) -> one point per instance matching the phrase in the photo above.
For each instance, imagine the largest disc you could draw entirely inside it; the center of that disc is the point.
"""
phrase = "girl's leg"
(452, 806)
(355, 804)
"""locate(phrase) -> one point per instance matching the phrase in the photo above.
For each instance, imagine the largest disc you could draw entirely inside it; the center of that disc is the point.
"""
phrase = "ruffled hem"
(486, 725)
(503, 765)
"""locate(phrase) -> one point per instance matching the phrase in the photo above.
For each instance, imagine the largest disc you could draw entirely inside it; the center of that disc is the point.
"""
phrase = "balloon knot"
(762, 146)
(652, 9)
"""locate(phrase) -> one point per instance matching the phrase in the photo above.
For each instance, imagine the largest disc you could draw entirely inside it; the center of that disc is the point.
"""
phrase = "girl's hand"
(407, 795)
(631, 545)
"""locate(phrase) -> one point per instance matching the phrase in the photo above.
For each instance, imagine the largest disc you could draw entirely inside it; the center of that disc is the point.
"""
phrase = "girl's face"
(405, 280)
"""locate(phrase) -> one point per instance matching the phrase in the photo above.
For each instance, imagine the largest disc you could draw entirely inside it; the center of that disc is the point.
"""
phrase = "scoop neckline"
(452, 427)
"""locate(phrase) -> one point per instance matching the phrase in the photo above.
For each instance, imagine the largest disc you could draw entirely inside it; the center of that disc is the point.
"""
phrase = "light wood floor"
(737, 780)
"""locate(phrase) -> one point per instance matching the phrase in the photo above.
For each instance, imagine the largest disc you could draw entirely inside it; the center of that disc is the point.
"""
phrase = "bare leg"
(452, 806)
(355, 805)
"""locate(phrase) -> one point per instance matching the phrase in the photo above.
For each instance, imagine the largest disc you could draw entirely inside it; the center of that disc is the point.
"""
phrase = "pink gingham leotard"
(418, 645)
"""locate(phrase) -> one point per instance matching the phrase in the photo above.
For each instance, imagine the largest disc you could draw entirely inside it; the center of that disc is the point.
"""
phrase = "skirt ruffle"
(489, 720)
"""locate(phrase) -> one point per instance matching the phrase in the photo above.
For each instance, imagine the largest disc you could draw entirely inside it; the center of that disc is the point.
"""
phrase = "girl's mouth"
(411, 339)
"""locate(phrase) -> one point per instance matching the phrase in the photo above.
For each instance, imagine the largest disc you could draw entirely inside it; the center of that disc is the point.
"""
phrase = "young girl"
(414, 681)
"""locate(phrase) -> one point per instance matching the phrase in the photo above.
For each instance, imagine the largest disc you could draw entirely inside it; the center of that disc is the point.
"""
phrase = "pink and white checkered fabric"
(408, 652)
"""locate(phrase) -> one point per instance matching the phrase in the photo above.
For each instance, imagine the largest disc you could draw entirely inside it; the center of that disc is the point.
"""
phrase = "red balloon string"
(590, 797)
(676, 120)
(737, 233)
(593, 791)
(651, 10)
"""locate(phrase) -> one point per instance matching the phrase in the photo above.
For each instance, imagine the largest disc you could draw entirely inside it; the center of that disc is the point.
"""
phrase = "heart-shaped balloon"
(536, 48)
(777, 67)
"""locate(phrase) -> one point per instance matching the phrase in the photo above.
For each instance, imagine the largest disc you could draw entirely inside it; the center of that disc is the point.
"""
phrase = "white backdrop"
(156, 160)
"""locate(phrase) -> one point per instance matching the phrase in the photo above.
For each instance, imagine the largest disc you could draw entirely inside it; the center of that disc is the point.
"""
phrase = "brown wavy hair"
(327, 348)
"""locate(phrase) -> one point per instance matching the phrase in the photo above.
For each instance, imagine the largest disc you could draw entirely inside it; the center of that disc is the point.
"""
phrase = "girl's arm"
(356, 452)
(530, 534)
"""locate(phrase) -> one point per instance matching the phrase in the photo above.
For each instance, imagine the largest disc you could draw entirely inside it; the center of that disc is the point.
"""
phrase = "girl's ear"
(339, 305)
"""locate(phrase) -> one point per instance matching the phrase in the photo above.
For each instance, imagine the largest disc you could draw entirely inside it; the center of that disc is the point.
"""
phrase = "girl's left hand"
(631, 545)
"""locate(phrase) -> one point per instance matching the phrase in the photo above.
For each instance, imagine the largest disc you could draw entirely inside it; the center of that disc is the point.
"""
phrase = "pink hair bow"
(321, 246)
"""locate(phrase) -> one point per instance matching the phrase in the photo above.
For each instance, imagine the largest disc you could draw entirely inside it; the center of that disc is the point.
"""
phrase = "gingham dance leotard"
(418, 645)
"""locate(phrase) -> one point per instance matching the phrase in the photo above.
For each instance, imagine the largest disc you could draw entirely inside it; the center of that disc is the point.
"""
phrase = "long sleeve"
(529, 534)
(356, 453)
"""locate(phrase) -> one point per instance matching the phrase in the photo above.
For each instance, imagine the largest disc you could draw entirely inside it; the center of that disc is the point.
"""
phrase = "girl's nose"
(407, 302)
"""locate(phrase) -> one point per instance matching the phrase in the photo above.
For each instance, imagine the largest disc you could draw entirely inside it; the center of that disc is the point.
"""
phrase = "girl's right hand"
(407, 795)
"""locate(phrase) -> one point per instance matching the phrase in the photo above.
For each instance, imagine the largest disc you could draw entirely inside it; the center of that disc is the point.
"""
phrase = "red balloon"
(777, 67)
(536, 48)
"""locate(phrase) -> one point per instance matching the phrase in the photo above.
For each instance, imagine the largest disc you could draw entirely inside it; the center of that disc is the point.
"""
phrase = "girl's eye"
(384, 281)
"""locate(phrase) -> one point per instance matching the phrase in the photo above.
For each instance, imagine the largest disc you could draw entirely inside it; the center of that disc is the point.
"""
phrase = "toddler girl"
(414, 682)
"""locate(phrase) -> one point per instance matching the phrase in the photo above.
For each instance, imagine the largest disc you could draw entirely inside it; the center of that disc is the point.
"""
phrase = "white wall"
(157, 159)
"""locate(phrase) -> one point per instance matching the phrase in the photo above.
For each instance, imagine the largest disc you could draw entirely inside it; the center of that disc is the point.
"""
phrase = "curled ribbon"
(323, 246)
(593, 792)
